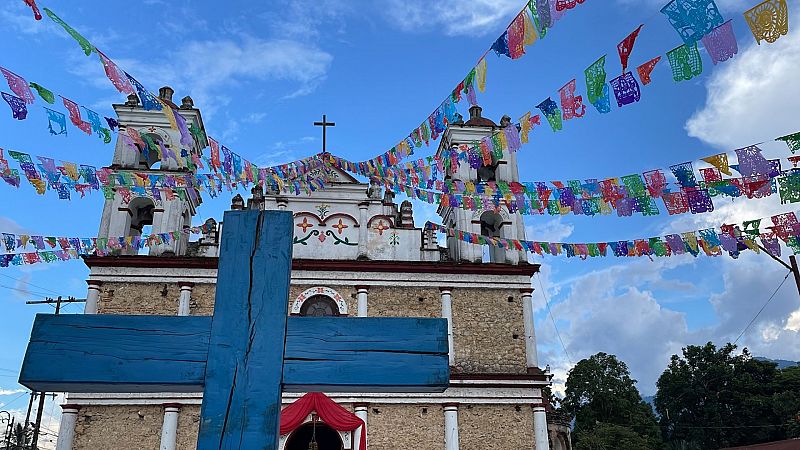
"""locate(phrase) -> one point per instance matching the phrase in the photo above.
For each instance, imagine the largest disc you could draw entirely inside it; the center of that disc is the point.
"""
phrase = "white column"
(540, 427)
(447, 313)
(451, 426)
(362, 300)
(169, 431)
(361, 413)
(66, 432)
(362, 229)
(92, 296)
(531, 355)
(185, 298)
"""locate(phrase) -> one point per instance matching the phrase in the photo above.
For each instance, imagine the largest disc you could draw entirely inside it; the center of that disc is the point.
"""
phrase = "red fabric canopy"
(332, 414)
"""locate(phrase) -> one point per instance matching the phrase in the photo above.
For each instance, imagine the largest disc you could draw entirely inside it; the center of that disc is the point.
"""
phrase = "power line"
(29, 283)
(762, 308)
(15, 399)
(23, 290)
(550, 312)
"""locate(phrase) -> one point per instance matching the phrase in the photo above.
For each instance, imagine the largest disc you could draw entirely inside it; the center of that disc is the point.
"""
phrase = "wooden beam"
(144, 354)
(242, 396)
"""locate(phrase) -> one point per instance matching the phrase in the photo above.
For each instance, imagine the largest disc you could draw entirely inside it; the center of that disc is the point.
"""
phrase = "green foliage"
(713, 398)
(605, 436)
(603, 399)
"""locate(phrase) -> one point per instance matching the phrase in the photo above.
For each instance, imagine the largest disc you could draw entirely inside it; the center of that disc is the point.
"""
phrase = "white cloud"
(9, 226)
(254, 117)
(11, 391)
(552, 230)
(793, 323)
(477, 17)
(752, 96)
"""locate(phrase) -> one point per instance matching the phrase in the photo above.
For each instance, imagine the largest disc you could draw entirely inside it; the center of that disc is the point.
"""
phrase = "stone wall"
(393, 427)
(404, 302)
(139, 298)
(202, 303)
(488, 331)
(495, 427)
(119, 427)
(188, 427)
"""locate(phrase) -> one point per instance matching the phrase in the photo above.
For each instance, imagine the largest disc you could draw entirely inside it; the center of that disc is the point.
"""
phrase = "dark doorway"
(327, 438)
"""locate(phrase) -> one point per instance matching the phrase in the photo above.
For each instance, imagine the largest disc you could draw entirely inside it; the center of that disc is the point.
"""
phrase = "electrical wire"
(15, 399)
(550, 313)
(29, 283)
(24, 291)
(762, 308)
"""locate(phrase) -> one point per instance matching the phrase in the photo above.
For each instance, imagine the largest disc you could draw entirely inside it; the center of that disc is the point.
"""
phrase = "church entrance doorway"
(326, 438)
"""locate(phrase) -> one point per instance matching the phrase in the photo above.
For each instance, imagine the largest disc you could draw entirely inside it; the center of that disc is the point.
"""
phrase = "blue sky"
(262, 72)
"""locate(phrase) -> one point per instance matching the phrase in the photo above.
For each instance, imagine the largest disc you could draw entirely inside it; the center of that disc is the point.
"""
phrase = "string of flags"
(47, 249)
(64, 177)
(530, 24)
(635, 193)
(231, 166)
(768, 21)
(56, 121)
(731, 239)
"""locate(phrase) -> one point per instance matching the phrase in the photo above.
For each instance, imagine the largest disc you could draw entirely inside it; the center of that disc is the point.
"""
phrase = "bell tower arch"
(162, 146)
(501, 223)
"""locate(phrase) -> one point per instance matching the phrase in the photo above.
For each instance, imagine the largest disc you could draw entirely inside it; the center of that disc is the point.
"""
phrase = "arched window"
(491, 225)
(141, 216)
(149, 157)
(488, 172)
(319, 306)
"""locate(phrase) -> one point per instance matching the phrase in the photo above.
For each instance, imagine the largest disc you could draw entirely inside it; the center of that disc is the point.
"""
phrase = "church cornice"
(184, 262)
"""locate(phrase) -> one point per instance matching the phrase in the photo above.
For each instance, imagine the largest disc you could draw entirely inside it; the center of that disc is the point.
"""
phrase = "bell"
(313, 445)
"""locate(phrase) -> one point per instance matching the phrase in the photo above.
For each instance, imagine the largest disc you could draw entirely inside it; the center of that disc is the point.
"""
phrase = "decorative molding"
(431, 267)
(319, 290)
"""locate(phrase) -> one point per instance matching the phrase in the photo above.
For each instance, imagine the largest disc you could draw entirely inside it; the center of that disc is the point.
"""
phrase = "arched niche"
(327, 437)
(313, 294)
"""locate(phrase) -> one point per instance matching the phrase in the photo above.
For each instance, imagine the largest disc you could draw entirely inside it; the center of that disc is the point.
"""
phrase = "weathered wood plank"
(111, 353)
(242, 396)
(366, 354)
(105, 353)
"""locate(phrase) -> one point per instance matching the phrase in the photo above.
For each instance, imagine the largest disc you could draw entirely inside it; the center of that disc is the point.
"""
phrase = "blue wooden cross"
(247, 353)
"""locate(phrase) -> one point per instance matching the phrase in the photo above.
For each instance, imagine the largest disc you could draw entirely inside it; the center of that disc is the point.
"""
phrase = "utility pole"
(28, 414)
(58, 301)
(792, 266)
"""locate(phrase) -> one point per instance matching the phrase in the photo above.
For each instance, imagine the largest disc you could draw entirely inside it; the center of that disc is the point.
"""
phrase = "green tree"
(786, 400)
(602, 398)
(712, 398)
(606, 436)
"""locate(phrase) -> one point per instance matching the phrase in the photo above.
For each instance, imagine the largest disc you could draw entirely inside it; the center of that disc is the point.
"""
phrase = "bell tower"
(152, 143)
(501, 223)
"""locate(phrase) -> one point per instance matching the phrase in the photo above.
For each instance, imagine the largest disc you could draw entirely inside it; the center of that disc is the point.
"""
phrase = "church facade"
(356, 253)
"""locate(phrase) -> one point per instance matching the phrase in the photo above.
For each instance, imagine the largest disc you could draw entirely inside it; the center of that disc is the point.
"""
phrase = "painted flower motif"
(321, 237)
(340, 226)
(305, 225)
(381, 227)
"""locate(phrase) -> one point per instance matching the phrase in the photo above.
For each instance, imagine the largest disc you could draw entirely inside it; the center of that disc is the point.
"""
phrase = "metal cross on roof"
(324, 124)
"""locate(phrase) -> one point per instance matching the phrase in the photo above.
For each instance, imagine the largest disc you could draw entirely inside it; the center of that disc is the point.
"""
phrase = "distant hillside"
(782, 363)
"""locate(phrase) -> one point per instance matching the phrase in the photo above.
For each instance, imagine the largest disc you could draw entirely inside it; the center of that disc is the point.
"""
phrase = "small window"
(319, 306)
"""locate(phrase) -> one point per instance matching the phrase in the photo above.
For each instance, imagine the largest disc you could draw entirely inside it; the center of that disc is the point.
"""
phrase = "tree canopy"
(712, 398)
(602, 398)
